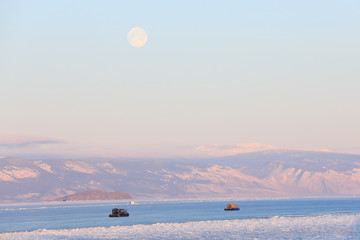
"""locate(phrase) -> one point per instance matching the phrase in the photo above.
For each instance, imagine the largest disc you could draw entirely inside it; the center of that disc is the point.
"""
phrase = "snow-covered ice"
(331, 226)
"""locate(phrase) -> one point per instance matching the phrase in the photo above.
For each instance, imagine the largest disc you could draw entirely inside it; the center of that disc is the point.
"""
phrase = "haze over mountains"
(265, 173)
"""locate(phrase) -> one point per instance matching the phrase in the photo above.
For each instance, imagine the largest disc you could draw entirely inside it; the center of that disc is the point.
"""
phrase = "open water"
(307, 218)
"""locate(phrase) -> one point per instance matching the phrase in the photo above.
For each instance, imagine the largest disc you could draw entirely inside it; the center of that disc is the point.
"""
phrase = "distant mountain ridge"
(96, 194)
(266, 173)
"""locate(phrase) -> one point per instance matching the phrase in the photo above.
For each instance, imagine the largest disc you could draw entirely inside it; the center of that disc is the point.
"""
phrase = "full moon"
(137, 37)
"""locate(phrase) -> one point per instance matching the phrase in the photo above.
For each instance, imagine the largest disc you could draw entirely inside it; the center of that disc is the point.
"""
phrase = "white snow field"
(332, 226)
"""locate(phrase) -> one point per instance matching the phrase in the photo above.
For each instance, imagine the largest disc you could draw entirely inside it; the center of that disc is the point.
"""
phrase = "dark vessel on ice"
(119, 212)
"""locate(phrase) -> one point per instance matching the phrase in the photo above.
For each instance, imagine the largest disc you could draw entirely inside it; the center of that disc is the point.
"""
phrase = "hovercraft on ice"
(119, 212)
(231, 207)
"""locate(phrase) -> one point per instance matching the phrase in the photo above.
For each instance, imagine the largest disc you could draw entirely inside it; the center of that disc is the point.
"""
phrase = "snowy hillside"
(267, 173)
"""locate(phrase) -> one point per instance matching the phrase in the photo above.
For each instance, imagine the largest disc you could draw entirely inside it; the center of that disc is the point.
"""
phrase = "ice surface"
(331, 226)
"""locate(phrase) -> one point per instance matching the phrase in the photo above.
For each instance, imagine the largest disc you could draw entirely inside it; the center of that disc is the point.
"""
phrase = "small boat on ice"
(231, 207)
(119, 212)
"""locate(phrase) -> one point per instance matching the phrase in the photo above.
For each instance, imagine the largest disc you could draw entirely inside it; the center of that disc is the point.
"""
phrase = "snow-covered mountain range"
(266, 173)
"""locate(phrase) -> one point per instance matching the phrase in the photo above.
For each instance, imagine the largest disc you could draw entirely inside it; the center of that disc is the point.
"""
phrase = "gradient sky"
(283, 73)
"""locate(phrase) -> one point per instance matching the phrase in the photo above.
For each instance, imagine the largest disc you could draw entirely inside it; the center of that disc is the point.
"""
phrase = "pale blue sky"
(283, 73)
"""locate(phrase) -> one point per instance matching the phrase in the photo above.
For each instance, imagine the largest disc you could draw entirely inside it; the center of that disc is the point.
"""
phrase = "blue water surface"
(64, 215)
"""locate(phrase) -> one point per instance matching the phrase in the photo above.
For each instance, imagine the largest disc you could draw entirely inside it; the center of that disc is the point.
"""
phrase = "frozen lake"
(315, 218)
